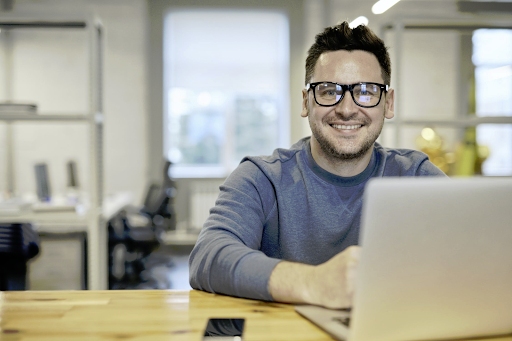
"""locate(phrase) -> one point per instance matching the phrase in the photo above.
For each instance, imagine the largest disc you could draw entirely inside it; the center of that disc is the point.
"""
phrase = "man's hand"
(333, 284)
(330, 284)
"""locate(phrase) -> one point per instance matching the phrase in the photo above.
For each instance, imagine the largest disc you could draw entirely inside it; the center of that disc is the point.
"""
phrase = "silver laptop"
(436, 262)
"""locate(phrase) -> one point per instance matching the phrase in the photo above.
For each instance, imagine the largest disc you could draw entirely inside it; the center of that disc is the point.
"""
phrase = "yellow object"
(467, 159)
(431, 143)
(470, 156)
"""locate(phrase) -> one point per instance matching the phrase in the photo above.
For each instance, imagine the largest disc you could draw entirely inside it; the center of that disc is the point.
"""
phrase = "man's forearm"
(291, 282)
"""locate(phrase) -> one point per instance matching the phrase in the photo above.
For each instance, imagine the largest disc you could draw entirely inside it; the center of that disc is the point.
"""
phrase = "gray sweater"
(285, 207)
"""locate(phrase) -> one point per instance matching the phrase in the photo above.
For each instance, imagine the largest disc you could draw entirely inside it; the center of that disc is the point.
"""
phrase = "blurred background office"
(96, 96)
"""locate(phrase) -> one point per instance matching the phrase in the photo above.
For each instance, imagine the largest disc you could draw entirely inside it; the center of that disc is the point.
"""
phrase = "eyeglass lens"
(364, 94)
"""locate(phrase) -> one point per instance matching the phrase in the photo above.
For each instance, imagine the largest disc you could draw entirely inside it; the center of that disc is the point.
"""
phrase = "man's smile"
(346, 127)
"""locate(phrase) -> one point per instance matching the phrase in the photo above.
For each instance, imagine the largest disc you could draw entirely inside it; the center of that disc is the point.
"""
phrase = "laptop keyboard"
(343, 320)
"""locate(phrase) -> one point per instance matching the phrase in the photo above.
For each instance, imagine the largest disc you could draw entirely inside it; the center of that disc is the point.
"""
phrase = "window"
(492, 57)
(226, 88)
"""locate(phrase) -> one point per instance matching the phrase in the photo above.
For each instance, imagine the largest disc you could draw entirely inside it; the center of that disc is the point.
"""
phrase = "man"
(285, 227)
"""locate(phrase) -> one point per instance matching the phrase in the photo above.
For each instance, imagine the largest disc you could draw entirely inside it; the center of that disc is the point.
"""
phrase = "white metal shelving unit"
(93, 221)
(463, 119)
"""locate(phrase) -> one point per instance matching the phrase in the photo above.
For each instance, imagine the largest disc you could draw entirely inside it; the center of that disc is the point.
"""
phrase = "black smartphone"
(224, 329)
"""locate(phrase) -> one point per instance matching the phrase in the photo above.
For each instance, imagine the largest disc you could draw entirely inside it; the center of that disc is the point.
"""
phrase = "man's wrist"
(291, 283)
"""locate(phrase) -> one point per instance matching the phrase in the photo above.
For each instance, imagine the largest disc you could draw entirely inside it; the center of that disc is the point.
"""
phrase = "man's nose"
(347, 104)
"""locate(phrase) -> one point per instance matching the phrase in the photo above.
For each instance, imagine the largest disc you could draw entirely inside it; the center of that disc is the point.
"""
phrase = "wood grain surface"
(137, 315)
(142, 315)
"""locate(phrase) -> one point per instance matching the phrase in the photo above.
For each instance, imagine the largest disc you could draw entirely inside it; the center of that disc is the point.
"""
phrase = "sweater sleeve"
(227, 258)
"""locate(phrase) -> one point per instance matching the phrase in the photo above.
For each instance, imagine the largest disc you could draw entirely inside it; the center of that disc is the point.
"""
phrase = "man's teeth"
(341, 126)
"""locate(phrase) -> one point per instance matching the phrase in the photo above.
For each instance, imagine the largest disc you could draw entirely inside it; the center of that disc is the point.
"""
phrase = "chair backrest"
(19, 242)
(19, 239)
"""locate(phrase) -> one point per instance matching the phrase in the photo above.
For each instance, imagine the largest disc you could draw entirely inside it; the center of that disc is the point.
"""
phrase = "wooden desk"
(143, 315)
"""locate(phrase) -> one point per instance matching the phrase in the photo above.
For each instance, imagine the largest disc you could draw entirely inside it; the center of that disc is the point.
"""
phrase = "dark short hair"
(342, 37)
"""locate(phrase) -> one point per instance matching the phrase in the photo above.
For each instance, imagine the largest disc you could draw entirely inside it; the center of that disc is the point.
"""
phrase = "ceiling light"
(358, 21)
(383, 5)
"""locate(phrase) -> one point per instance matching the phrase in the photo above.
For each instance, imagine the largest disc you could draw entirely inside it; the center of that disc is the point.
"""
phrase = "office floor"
(175, 273)
(165, 268)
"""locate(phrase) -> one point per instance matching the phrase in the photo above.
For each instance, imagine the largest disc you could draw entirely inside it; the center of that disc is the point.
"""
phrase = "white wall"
(429, 83)
(51, 69)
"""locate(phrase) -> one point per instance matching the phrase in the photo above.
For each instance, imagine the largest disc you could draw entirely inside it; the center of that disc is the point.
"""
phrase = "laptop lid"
(436, 259)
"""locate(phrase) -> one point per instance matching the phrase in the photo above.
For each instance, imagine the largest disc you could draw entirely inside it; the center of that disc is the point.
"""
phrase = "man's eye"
(364, 93)
(368, 90)
(328, 93)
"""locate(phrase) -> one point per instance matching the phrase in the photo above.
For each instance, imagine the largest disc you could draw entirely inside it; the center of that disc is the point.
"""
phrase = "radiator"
(202, 198)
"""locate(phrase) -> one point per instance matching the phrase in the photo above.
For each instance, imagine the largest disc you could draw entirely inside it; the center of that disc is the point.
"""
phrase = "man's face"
(346, 131)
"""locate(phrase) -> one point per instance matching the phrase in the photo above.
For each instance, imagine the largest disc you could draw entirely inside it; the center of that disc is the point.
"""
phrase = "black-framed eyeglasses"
(364, 94)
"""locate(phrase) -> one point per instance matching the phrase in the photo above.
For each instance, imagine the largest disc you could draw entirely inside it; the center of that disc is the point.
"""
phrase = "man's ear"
(389, 106)
(305, 101)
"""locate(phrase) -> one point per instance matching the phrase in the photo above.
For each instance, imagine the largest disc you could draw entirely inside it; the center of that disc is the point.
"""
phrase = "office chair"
(18, 243)
(134, 235)
(159, 201)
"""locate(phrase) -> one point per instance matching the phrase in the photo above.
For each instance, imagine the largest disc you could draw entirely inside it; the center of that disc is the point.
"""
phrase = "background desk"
(143, 315)
(92, 223)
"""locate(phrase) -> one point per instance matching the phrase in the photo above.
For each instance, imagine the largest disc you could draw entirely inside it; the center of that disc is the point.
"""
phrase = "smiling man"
(346, 127)
(285, 227)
